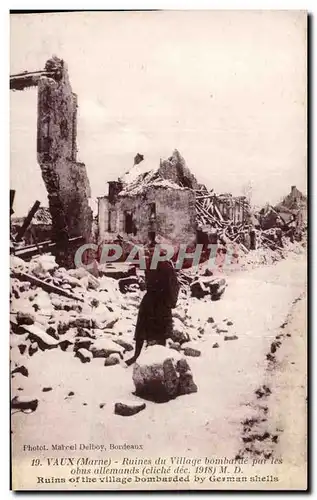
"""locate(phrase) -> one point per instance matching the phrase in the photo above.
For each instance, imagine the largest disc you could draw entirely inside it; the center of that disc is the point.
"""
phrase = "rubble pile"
(265, 255)
(208, 285)
(92, 318)
(231, 222)
(74, 312)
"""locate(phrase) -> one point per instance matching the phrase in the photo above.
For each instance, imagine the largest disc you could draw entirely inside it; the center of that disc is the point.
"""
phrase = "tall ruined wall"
(175, 215)
(65, 179)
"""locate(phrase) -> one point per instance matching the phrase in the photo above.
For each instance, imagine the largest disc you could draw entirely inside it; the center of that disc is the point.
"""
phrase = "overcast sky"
(227, 89)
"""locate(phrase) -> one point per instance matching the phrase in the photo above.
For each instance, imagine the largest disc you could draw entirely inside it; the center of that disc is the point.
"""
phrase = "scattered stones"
(81, 322)
(179, 333)
(62, 327)
(21, 369)
(82, 343)
(43, 264)
(128, 284)
(161, 374)
(102, 348)
(222, 330)
(24, 403)
(215, 345)
(111, 361)
(190, 349)
(52, 332)
(84, 355)
(25, 318)
(174, 345)
(47, 389)
(94, 303)
(217, 287)
(198, 289)
(85, 332)
(256, 437)
(22, 348)
(116, 356)
(274, 346)
(263, 391)
(33, 348)
(65, 345)
(230, 337)
(210, 320)
(270, 357)
(127, 346)
(128, 409)
(36, 333)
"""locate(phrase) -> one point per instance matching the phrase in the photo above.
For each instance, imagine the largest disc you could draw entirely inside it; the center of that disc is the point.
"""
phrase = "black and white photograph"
(158, 250)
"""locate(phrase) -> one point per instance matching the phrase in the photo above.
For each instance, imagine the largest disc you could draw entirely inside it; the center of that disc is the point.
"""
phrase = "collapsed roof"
(172, 173)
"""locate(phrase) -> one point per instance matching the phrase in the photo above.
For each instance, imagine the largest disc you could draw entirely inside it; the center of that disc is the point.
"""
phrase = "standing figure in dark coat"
(154, 323)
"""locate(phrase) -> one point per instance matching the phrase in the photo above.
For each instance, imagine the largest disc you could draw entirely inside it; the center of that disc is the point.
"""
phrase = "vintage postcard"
(158, 249)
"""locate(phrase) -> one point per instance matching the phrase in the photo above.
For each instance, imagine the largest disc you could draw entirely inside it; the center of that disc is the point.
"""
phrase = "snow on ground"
(80, 406)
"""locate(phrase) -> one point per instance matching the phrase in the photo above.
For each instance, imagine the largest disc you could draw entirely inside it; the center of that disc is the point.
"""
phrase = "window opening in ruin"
(128, 222)
(109, 221)
(112, 221)
(152, 211)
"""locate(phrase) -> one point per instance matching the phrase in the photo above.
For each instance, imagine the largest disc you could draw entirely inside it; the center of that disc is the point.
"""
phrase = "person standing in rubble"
(155, 323)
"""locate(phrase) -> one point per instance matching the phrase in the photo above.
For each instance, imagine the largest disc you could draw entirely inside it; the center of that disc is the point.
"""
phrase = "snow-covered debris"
(84, 355)
(191, 349)
(161, 374)
(146, 180)
(103, 347)
(127, 409)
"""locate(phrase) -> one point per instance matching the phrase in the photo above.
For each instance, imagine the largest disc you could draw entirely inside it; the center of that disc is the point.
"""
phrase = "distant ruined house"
(296, 203)
(40, 228)
(291, 210)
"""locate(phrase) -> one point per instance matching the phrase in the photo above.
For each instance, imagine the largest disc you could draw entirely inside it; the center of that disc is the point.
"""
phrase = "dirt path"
(278, 428)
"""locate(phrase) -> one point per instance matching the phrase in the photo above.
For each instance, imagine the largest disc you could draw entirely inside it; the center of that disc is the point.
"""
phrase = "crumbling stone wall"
(176, 170)
(175, 217)
(65, 179)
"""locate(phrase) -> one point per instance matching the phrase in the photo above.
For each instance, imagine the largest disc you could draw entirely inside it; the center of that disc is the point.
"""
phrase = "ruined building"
(65, 178)
(151, 203)
(40, 228)
(296, 203)
(165, 203)
(292, 210)
(234, 208)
